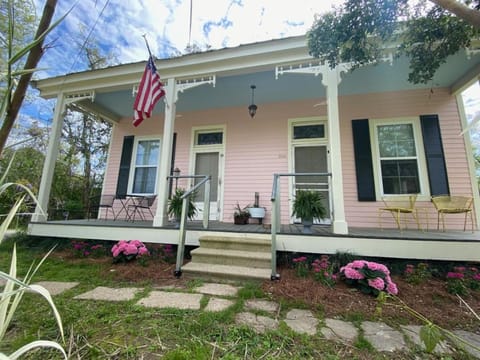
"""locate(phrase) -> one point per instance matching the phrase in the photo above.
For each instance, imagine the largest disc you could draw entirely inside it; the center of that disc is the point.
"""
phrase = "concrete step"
(232, 257)
(235, 243)
(225, 272)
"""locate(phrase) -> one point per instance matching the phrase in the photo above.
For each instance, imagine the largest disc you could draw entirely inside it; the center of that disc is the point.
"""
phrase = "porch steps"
(230, 258)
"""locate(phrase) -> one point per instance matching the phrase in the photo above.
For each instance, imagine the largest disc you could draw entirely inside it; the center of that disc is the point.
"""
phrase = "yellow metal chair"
(397, 205)
(447, 204)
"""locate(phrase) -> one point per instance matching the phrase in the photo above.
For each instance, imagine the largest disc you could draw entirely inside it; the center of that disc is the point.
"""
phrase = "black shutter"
(434, 155)
(124, 170)
(363, 160)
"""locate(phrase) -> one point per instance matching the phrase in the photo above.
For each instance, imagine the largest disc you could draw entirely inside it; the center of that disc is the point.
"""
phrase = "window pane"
(210, 138)
(400, 177)
(396, 140)
(308, 131)
(147, 153)
(144, 181)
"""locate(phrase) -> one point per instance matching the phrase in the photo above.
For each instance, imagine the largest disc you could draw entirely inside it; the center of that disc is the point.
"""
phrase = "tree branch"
(34, 56)
(458, 8)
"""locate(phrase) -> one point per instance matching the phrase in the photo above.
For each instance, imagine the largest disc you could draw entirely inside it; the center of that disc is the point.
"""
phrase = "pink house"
(371, 131)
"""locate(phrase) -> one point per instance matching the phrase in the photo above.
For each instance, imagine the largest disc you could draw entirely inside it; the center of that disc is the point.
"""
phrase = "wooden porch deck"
(289, 229)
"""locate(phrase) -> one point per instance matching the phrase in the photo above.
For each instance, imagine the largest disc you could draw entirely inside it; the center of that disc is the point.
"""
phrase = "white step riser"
(231, 260)
(218, 244)
(205, 272)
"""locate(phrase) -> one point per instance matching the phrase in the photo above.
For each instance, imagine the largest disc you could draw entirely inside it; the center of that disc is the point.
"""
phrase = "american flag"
(149, 92)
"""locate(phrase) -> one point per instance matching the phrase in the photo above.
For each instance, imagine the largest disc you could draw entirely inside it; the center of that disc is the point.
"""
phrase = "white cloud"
(217, 23)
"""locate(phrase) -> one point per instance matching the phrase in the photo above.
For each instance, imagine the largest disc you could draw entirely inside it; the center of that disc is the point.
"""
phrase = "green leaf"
(34, 344)
(430, 336)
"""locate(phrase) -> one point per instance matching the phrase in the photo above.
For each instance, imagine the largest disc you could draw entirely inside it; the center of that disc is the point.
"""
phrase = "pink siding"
(399, 104)
(257, 148)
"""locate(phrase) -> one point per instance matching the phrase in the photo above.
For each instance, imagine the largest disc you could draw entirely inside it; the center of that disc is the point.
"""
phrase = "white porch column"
(50, 159)
(331, 79)
(161, 215)
(470, 158)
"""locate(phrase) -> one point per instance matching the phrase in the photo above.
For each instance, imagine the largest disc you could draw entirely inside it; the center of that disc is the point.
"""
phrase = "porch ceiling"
(234, 90)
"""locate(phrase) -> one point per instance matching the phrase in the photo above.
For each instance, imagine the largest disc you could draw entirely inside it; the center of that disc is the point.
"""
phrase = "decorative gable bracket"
(76, 97)
(186, 84)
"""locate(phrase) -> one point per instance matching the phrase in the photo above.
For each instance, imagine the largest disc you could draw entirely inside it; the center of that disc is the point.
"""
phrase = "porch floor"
(290, 229)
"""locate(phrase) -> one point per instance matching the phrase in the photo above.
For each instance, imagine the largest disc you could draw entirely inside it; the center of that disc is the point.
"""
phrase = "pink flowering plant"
(323, 271)
(168, 253)
(301, 266)
(463, 279)
(417, 274)
(125, 251)
(85, 249)
(369, 277)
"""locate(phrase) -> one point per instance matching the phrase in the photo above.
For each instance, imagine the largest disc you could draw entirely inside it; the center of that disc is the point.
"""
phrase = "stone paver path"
(109, 294)
(259, 323)
(220, 297)
(164, 299)
(340, 330)
(56, 287)
(302, 321)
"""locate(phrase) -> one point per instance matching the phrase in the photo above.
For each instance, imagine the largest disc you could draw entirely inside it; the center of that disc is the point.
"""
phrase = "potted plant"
(308, 206)
(241, 215)
(175, 206)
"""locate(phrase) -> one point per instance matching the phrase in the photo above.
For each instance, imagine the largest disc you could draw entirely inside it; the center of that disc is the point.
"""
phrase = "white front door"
(312, 159)
(207, 163)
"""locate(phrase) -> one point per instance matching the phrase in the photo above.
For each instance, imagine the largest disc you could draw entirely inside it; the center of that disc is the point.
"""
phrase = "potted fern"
(241, 215)
(175, 206)
(308, 206)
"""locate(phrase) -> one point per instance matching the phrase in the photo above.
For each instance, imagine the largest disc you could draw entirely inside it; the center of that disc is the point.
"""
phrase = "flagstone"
(339, 330)
(383, 337)
(413, 333)
(57, 287)
(109, 294)
(218, 289)
(258, 323)
(263, 305)
(216, 304)
(470, 338)
(177, 300)
(302, 321)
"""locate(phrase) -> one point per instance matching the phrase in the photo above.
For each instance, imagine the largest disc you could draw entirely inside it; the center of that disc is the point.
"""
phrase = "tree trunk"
(470, 15)
(34, 56)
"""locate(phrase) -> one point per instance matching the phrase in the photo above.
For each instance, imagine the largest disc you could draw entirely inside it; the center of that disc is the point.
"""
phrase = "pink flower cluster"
(130, 249)
(461, 272)
(300, 259)
(372, 274)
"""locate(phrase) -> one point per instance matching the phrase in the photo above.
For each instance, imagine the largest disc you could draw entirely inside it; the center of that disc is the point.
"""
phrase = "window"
(209, 138)
(399, 158)
(145, 166)
(308, 131)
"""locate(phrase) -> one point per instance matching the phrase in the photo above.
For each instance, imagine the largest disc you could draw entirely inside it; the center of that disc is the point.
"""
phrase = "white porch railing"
(276, 213)
(183, 218)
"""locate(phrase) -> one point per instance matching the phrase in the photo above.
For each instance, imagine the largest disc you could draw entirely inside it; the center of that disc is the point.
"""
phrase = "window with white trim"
(145, 166)
(398, 156)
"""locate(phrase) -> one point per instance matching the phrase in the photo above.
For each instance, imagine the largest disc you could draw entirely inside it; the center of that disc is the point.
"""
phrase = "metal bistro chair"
(140, 205)
(446, 204)
(399, 205)
(103, 202)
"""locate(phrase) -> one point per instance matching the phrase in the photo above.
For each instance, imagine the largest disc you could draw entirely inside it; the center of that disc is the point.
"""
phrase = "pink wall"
(399, 104)
(257, 148)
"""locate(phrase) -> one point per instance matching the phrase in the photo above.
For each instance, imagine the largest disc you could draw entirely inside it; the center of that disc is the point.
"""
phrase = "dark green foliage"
(308, 205)
(358, 31)
(175, 205)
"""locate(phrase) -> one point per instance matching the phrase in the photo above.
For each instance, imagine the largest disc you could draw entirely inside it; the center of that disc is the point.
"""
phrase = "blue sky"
(118, 26)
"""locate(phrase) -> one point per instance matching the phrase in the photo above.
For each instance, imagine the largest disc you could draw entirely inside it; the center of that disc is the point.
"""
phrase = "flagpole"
(146, 43)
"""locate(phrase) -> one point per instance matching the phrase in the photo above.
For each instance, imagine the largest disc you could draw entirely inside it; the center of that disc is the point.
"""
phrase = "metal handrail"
(183, 218)
(276, 214)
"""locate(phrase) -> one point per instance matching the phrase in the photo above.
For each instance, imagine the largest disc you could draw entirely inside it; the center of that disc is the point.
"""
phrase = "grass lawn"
(124, 330)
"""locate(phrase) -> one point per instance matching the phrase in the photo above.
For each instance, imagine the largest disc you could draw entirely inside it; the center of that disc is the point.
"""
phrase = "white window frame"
(133, 165)
(424, 194)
